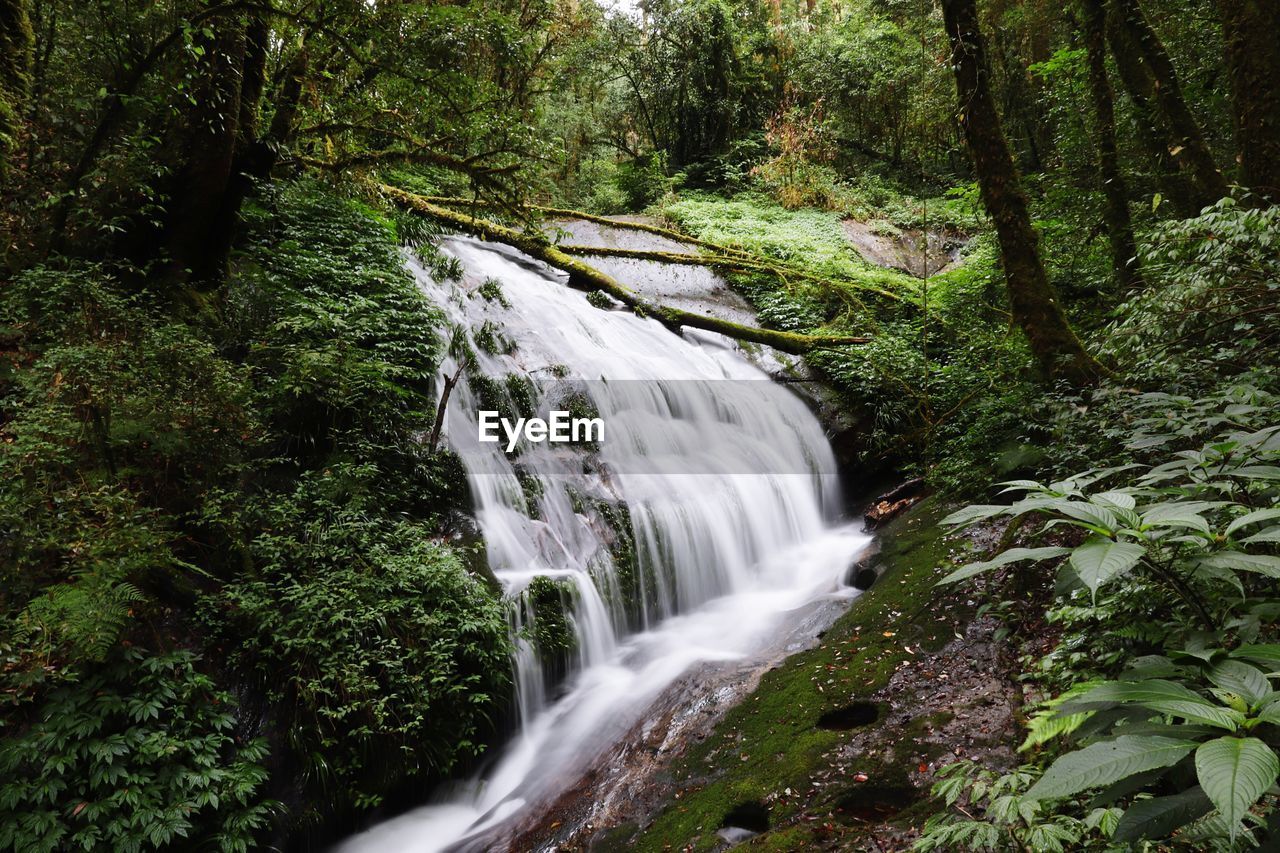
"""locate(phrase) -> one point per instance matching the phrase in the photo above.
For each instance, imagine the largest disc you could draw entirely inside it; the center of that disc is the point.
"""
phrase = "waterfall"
(706, 517)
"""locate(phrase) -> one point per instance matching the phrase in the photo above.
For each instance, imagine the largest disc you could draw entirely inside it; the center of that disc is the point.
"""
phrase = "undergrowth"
(233, 501)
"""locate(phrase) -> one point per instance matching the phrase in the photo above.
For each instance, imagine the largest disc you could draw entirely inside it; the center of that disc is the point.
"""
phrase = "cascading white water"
(732, 497)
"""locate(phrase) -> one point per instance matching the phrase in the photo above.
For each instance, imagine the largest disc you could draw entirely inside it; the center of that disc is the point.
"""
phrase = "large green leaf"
(1020, 486)
(1177, 515)
(1241, 562)
(1234, 773)
(1100, 560)
(1166, 697)
(1252, 518)
(1157, 817)
(1211, 573)
(1103, 763)
(1116, 500)
(1013, 555)
(1240, 678)
(1270, 714)
(1256, 472)
(1271, 534)
(1266, 654)
(1100, 518)
(977, 512)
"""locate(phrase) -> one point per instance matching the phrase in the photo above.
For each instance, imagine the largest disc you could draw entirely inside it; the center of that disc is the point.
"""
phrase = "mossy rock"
(772, 742)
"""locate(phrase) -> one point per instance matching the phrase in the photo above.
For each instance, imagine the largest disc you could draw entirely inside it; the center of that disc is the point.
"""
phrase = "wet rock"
(851, 716)
(735, 834)
(907, 250)
(874, 803)
(751, 816)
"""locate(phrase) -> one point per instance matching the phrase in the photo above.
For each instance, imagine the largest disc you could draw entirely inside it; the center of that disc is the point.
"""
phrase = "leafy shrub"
(1212, 308)
(120, 420)
(347, 346)
(798, 174)
(378, 651)
(269, 450)
(491, 290)
(642, 181)
(143, 754)
(1011, 820)
(1191, 719)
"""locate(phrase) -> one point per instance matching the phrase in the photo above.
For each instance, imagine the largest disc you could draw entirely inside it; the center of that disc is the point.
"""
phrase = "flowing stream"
(702, 525)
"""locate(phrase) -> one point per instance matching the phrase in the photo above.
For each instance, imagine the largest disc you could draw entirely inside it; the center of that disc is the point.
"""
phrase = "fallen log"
(733, 264)
(587, 278)
(565, 213)
(727, 257)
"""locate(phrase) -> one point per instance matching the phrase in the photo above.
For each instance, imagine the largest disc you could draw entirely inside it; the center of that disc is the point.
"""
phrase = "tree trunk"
(280, 134)
(16, 43)
(1252, 32)
(257, 38)
(1152, 134)
(198, 232)
(1035, 309)
(1189, 148)
(1124, 250)
(252, 158)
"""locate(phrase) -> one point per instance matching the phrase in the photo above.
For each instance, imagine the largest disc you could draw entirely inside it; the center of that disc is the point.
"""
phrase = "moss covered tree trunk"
(1124, 251)
(198, 233)
(16, 42)
(1153, 136)
(1252, 32)
(1188, 147)
(1035, 308)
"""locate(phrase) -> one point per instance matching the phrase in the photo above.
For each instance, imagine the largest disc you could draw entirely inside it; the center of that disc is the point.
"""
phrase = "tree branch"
(587, 278)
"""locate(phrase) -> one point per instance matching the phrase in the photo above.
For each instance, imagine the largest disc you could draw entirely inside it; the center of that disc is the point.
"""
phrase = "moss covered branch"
(721, 256)
(733, 263)
(584, 277)
(565, 213)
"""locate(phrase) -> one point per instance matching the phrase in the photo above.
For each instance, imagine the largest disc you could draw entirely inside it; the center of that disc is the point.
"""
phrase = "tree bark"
(280, 134)
(16, 44)
(257, 40)
(1153, 136)
(1190, 148)
(587, 278)
(1124, 250)
(198, 232)
(1251, 29)
(1054, 345)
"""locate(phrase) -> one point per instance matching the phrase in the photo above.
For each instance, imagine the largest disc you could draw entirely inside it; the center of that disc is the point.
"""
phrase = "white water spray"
(732, 497)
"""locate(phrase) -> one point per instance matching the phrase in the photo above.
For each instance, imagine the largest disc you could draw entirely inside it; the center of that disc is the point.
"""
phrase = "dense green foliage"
(142, 753)
(1167, 601)
(247, 492)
